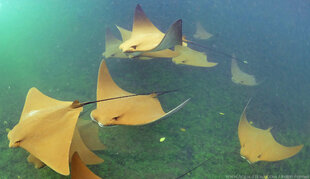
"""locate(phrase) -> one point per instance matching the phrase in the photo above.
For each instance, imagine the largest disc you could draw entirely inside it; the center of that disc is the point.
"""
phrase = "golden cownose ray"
(191, 57)
(90, 132)
(113, 51)
(79, 169)
(137, 110)
(145, 37)
(46, 130)
(112, 46)
(259, 145)
(240, 77)
(201, 33)
(167, 53)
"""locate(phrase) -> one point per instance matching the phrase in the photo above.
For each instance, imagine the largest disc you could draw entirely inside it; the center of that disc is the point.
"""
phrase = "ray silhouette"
(201, 33)
(191, 57)
(240, 77)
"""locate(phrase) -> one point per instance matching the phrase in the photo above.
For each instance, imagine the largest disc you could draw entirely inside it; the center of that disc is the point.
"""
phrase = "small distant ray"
(201, 33)
(191, 57)
(240, 77)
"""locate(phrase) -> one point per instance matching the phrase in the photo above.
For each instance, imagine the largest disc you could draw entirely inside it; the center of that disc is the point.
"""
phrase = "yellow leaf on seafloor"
(182, 129)
(162, 139)
(221, 113)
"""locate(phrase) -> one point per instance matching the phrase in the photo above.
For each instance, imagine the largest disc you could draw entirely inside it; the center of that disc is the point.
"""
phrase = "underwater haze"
(56, 46)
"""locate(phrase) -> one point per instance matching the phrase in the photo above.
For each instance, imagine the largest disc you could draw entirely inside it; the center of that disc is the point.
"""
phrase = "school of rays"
(68, 149)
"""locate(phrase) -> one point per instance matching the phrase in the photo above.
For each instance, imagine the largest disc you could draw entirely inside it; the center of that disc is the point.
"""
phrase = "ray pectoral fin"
(279, 152)
(124, 33)
(79, 169)
(141, 23)
(172, 38)
(176, 109)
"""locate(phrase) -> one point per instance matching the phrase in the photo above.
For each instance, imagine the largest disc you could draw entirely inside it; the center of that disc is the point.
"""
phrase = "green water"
(56, 46)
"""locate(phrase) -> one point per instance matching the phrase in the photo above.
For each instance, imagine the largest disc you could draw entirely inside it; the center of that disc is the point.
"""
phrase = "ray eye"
(134, 47)
(115, 118)
(18, 142)
(259, 156)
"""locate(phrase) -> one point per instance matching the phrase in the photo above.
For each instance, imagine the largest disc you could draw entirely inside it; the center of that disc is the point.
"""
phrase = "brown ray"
(145, 37)
(137, 110)
(79, 169)
(46, 129)
(191, 57)
(259, 145)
